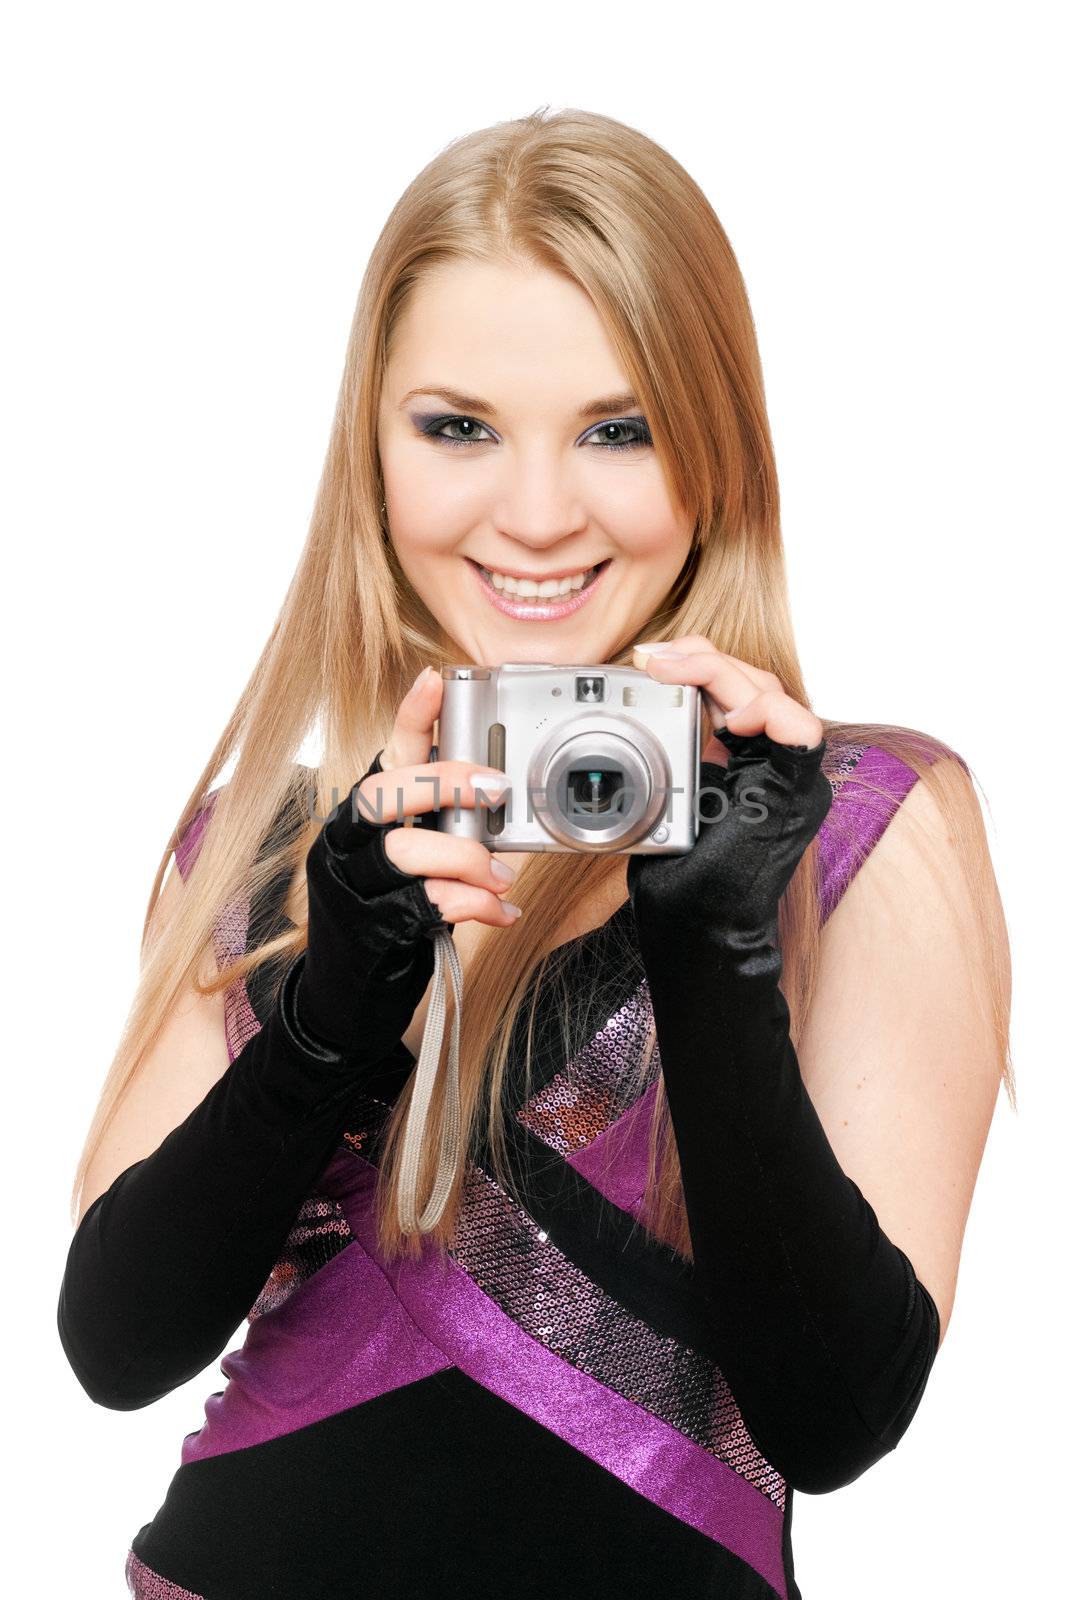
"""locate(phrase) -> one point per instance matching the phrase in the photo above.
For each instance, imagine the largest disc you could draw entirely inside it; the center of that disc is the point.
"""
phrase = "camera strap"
(445, 957)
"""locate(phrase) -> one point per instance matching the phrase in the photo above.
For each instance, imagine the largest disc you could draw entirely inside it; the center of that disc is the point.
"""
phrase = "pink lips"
(545, 611)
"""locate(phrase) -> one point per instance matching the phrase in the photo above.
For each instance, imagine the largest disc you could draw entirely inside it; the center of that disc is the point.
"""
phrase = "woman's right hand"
(379, 891)
(462, 877)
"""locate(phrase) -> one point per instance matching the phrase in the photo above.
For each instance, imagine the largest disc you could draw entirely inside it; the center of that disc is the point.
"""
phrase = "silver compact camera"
(599, 758)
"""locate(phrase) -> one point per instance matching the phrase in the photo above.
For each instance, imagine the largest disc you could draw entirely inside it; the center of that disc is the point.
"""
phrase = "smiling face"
(522, 455)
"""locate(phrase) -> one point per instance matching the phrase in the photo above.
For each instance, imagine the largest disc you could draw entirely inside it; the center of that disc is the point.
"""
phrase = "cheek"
(636, 509)
(428, 513)
(427, 503)
(649, 538)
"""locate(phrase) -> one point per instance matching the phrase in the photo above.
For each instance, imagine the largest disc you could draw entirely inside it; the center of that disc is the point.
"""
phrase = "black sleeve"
(164, 1265)
(820, 1325)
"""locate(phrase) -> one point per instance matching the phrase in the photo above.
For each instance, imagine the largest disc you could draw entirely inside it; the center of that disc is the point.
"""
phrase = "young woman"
(719, 1114)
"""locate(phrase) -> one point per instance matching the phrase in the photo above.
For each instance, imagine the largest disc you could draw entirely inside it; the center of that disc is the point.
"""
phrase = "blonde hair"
(588, 197)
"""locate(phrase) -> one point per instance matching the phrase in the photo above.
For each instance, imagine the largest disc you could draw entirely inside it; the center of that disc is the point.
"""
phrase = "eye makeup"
(432, 425)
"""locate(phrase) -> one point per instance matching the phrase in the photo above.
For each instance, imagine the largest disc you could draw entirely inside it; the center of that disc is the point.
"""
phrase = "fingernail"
(501, 871)
(663, 654)
(491, 782)
(659, 644)
(420, 680)
(515, 911)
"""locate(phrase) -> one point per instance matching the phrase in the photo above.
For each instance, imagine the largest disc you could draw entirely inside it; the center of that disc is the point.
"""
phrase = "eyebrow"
(470, 402)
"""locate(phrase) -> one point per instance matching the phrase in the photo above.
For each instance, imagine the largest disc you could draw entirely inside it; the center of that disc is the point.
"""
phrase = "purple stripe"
(654, 1459)
(616, 1161)
(339, 1339)
(361, 1327)
(857, 819)
(189, 841)
(242, 1023)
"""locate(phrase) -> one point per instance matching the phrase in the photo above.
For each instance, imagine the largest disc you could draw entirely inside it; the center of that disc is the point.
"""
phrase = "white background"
(190, 195)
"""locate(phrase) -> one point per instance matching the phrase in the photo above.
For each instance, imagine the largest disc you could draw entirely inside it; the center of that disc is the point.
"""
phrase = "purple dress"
(548, 1365)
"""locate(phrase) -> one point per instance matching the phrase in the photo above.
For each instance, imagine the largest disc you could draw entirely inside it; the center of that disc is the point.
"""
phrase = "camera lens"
(592, 791)
(599, 782)
(596, 794)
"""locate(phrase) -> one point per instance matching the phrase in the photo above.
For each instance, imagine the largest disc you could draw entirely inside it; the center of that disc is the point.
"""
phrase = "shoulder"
(905, 1038)
(919, 943)
(190, 834)
(290, 817)
(877, 773)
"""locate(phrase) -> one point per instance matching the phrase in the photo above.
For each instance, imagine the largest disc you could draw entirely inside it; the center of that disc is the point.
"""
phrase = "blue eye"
(434, 428)
(637, 425)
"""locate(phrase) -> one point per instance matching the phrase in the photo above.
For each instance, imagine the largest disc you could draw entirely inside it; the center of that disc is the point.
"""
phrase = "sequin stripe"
(616, 1161)
(606, 1077)
(144, 1584)
(321, 1229)
(544, 1353)
(858, 815)
(228, 936)
(319, 1232)
(645, 1408)
(839, 761)
(512, 1259)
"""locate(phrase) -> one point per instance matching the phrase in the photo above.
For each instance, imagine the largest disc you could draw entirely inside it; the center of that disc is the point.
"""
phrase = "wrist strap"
(445, 956)
(444, 953)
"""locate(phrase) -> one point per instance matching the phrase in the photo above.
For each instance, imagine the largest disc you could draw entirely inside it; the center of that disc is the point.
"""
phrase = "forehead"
(507, 331)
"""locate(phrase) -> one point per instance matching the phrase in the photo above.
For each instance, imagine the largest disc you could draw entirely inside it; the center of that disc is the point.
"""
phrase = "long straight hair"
(591, 198)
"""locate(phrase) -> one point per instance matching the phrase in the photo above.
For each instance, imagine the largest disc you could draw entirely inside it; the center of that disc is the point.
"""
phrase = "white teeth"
(526, 588)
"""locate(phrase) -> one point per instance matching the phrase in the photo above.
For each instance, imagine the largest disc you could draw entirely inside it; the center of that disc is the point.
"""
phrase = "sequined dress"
(539, 1412)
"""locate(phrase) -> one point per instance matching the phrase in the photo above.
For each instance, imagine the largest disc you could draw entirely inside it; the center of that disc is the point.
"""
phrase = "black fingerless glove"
(169, 1260)
(818, 1321)
(369, 954)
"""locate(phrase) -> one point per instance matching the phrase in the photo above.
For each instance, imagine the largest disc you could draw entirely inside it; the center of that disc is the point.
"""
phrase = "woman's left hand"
(823, 1330)
(741, 697)
(767, 804)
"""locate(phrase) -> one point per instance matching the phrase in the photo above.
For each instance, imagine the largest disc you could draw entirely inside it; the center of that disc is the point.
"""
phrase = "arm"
(822, 1328)
(166, 1262)
(900, 1053)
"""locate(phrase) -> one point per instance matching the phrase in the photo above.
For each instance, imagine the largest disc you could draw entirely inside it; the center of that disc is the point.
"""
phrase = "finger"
(408, 791)
(778, 716)
(411, 738)
(759, 675)
(691, 644)
(685, 641)
(427, 854)
(460, 902)
(725, 683)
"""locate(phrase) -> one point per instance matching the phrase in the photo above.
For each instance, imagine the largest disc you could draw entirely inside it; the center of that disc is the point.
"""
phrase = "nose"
(538, 506)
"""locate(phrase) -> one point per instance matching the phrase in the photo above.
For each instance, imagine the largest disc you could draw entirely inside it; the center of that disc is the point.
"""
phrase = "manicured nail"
(515, 911)
(663, 654)
(501, 871)
(491, 782)
(420, 680)
(660, 644)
